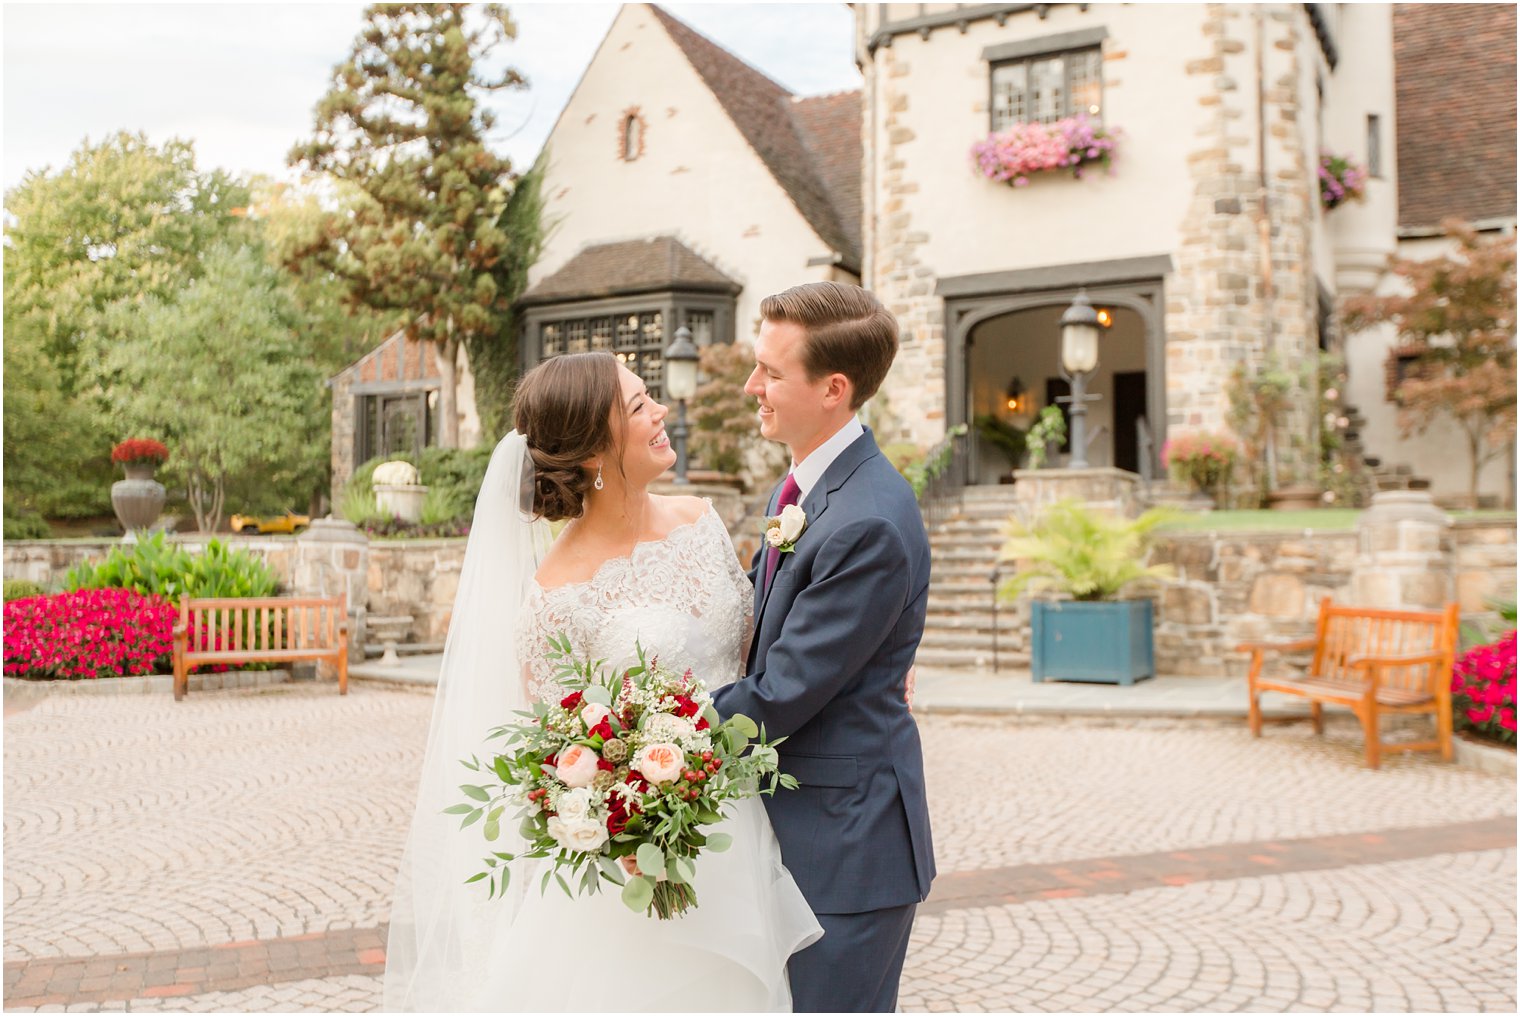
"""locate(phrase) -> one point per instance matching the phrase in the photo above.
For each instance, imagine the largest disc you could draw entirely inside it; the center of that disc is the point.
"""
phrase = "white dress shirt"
(811, 469)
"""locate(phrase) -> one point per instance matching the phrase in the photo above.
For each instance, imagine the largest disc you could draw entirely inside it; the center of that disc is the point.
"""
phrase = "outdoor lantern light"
(680, 385)
(1016, 395)
(1079, 336)
(1079, 357)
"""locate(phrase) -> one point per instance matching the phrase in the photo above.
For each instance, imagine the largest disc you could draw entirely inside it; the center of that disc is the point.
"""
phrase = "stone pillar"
(1404, 559)
(1098, 487)
(333, 557)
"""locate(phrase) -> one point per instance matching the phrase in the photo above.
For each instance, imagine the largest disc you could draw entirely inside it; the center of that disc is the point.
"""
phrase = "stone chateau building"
(685, 185)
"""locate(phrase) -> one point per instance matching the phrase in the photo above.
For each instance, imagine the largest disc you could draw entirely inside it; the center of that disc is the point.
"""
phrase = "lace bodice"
(683, 598)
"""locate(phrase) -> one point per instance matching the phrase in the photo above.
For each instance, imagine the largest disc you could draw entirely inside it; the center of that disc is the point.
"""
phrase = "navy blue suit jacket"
(835, 634)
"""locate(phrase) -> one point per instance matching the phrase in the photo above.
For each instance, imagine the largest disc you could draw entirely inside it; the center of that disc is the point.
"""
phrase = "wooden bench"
(275, 629)
(1373, 662)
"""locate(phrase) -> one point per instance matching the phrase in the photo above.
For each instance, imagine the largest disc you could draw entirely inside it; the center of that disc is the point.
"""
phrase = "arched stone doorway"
(1004, 328)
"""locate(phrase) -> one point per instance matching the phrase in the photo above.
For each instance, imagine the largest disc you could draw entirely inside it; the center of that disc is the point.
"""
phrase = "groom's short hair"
(848, 332)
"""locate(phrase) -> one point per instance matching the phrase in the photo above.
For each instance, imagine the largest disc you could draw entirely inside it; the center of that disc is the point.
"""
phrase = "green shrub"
(357, 504)
(463, 469)
(442, 504)
(156, 567)
(20, 589)
(25, 526)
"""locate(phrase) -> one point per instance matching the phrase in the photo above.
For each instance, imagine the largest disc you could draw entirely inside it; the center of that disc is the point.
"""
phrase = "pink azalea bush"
(1340, 180)
(1483, 690)
(1012, 154)
(88, 634)
(1200, 458)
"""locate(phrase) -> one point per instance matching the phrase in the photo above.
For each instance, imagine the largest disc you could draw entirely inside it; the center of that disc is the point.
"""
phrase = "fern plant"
(1087, 554)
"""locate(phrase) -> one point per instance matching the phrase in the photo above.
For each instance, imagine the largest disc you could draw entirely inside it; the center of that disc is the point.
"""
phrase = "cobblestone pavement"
(235, 852)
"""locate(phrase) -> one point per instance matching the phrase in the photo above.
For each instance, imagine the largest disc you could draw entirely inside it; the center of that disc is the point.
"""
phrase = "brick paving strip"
(238, 965)
(1108, 875)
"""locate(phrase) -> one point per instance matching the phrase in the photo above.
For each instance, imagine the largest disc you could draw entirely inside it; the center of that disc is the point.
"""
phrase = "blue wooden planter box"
(1110, 642)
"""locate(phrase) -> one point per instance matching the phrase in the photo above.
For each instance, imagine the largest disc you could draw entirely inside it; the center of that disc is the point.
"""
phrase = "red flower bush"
(92, 633)
(1483, 690)
(139, 449)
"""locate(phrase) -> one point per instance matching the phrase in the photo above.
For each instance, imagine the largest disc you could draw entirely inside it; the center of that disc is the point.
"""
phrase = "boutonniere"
(783, 531)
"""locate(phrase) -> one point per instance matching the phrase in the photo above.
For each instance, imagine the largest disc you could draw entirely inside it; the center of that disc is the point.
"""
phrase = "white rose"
(668, 727)
(593, 713)
(576, 766)
(582, 835)
(773, 536)
(793, 521)
(576, 804)
(660, 763)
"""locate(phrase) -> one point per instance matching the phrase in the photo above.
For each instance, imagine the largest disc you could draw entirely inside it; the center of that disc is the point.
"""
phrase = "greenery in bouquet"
(619, 782)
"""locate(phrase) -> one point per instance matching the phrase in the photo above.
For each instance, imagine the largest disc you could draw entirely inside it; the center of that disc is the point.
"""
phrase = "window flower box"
(1013, 154)
(1340, 180)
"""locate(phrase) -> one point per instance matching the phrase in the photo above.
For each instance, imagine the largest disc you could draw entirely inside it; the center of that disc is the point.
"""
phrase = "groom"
(839, 610)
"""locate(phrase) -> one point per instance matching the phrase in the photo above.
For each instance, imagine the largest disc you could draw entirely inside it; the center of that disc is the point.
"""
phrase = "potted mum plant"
(1202, 460)
(1087, 557)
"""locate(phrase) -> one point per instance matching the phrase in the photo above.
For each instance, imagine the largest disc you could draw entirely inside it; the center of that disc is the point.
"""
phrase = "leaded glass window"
(1046, 88)
(637, 339)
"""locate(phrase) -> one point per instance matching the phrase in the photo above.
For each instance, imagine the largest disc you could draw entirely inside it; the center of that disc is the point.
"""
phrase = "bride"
(629, 567)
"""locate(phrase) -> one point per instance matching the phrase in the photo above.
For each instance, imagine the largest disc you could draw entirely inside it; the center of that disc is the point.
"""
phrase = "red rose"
(603, 730)
(571, 701)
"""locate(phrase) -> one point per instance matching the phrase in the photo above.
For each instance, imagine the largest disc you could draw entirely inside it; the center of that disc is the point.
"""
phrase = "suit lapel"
(816, 503)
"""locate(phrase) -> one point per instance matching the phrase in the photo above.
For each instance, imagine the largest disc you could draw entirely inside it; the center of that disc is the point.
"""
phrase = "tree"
(123, 218)
(219, 372)
(1458, 312)
(402, 122)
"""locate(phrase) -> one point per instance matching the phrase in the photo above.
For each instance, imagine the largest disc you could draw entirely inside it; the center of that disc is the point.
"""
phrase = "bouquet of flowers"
(618, 781)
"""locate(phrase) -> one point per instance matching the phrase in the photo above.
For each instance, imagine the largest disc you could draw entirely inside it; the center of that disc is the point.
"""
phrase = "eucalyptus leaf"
(681, 870)
(744, 725)
(596, 693)
(472, 818)
(459, 809)
(719, 842)
(563, 884)
(707, 816)
(651, 858)
(479, 793)
(492, 829)
(476, 877)
(638, 893)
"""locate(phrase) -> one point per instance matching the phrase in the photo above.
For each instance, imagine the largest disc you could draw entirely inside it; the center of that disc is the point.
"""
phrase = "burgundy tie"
(789, 492)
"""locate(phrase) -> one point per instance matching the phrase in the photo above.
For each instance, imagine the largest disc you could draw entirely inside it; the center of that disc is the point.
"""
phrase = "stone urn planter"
(139, 498)
(403, 500)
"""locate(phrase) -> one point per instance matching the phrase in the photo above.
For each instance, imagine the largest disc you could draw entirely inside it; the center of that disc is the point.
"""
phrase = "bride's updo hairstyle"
(564, 410)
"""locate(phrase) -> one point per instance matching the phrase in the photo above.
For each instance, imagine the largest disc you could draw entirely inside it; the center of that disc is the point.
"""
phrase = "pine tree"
(402, 121)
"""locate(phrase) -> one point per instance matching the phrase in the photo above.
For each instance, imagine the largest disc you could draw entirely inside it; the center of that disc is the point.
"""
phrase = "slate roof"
(1454, 70)
(802, 142)
(630, 266)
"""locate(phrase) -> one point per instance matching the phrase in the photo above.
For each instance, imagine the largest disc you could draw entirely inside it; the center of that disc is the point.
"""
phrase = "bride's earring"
(598, 484)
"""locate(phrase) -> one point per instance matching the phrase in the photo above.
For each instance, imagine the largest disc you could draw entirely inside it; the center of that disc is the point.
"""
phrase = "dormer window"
(631, 135)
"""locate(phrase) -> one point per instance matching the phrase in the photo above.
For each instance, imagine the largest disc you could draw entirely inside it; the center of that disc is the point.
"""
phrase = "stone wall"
(1231, 587)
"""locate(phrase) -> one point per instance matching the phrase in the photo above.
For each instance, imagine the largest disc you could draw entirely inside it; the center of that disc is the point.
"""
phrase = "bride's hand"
(909, 686)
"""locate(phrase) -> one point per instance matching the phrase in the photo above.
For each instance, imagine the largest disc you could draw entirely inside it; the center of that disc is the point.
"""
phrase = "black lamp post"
(1079, 358)
(680, 385)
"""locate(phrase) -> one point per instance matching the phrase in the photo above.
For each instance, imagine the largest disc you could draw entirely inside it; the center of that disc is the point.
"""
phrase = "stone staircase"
(958, 629)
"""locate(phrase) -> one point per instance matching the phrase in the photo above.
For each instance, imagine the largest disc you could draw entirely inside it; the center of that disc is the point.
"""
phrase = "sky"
(240, 80)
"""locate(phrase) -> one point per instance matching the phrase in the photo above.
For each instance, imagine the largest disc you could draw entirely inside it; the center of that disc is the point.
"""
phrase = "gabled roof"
(802, 151)
(830, 127)
(628, 267)
(1454, 69)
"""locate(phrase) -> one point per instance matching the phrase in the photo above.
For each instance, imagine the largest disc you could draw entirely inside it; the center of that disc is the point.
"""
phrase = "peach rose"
(660, 763)
(593, 713)
(576, 766)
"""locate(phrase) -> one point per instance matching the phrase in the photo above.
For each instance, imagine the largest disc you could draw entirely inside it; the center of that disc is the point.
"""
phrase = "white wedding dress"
(687, 602)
